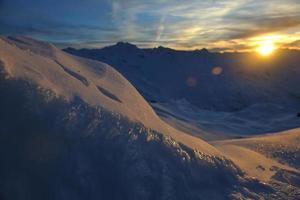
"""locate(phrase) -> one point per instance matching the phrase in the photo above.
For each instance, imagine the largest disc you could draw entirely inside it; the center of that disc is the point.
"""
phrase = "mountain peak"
(163, 49)
(203, 51)
(125, 45)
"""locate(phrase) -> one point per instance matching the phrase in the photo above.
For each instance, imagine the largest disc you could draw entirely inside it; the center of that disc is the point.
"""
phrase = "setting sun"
(266, 48)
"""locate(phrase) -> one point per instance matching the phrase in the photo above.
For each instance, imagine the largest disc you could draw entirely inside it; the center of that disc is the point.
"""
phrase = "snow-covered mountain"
(73, 128)
(242, 90)
(95, 83)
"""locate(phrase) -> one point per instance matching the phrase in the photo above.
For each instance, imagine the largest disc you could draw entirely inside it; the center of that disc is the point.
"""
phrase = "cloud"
(293, 45)
(176, 23)
(263, 25)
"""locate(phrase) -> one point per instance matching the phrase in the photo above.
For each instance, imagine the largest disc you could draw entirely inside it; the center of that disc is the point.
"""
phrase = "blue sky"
(181, 24)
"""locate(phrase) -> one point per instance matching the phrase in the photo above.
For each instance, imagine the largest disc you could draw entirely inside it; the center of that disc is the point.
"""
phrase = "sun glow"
(266, 44)
(266, 48)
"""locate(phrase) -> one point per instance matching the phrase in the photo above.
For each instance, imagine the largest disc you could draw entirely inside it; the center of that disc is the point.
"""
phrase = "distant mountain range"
(237, 93)
(215, 81)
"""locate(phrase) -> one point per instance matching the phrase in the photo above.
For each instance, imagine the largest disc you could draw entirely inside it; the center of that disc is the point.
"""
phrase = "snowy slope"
(216, 125)
(283, 146)
(270, 156)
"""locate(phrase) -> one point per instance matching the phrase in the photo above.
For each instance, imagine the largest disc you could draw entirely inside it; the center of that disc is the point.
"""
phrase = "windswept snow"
(283, 146)
(57, 149)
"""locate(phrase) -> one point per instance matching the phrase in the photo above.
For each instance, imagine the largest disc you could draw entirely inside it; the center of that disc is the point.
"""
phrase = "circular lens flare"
(217, 71)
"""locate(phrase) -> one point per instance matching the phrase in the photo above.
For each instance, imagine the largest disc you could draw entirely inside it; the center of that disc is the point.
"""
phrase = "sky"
(220, 25)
